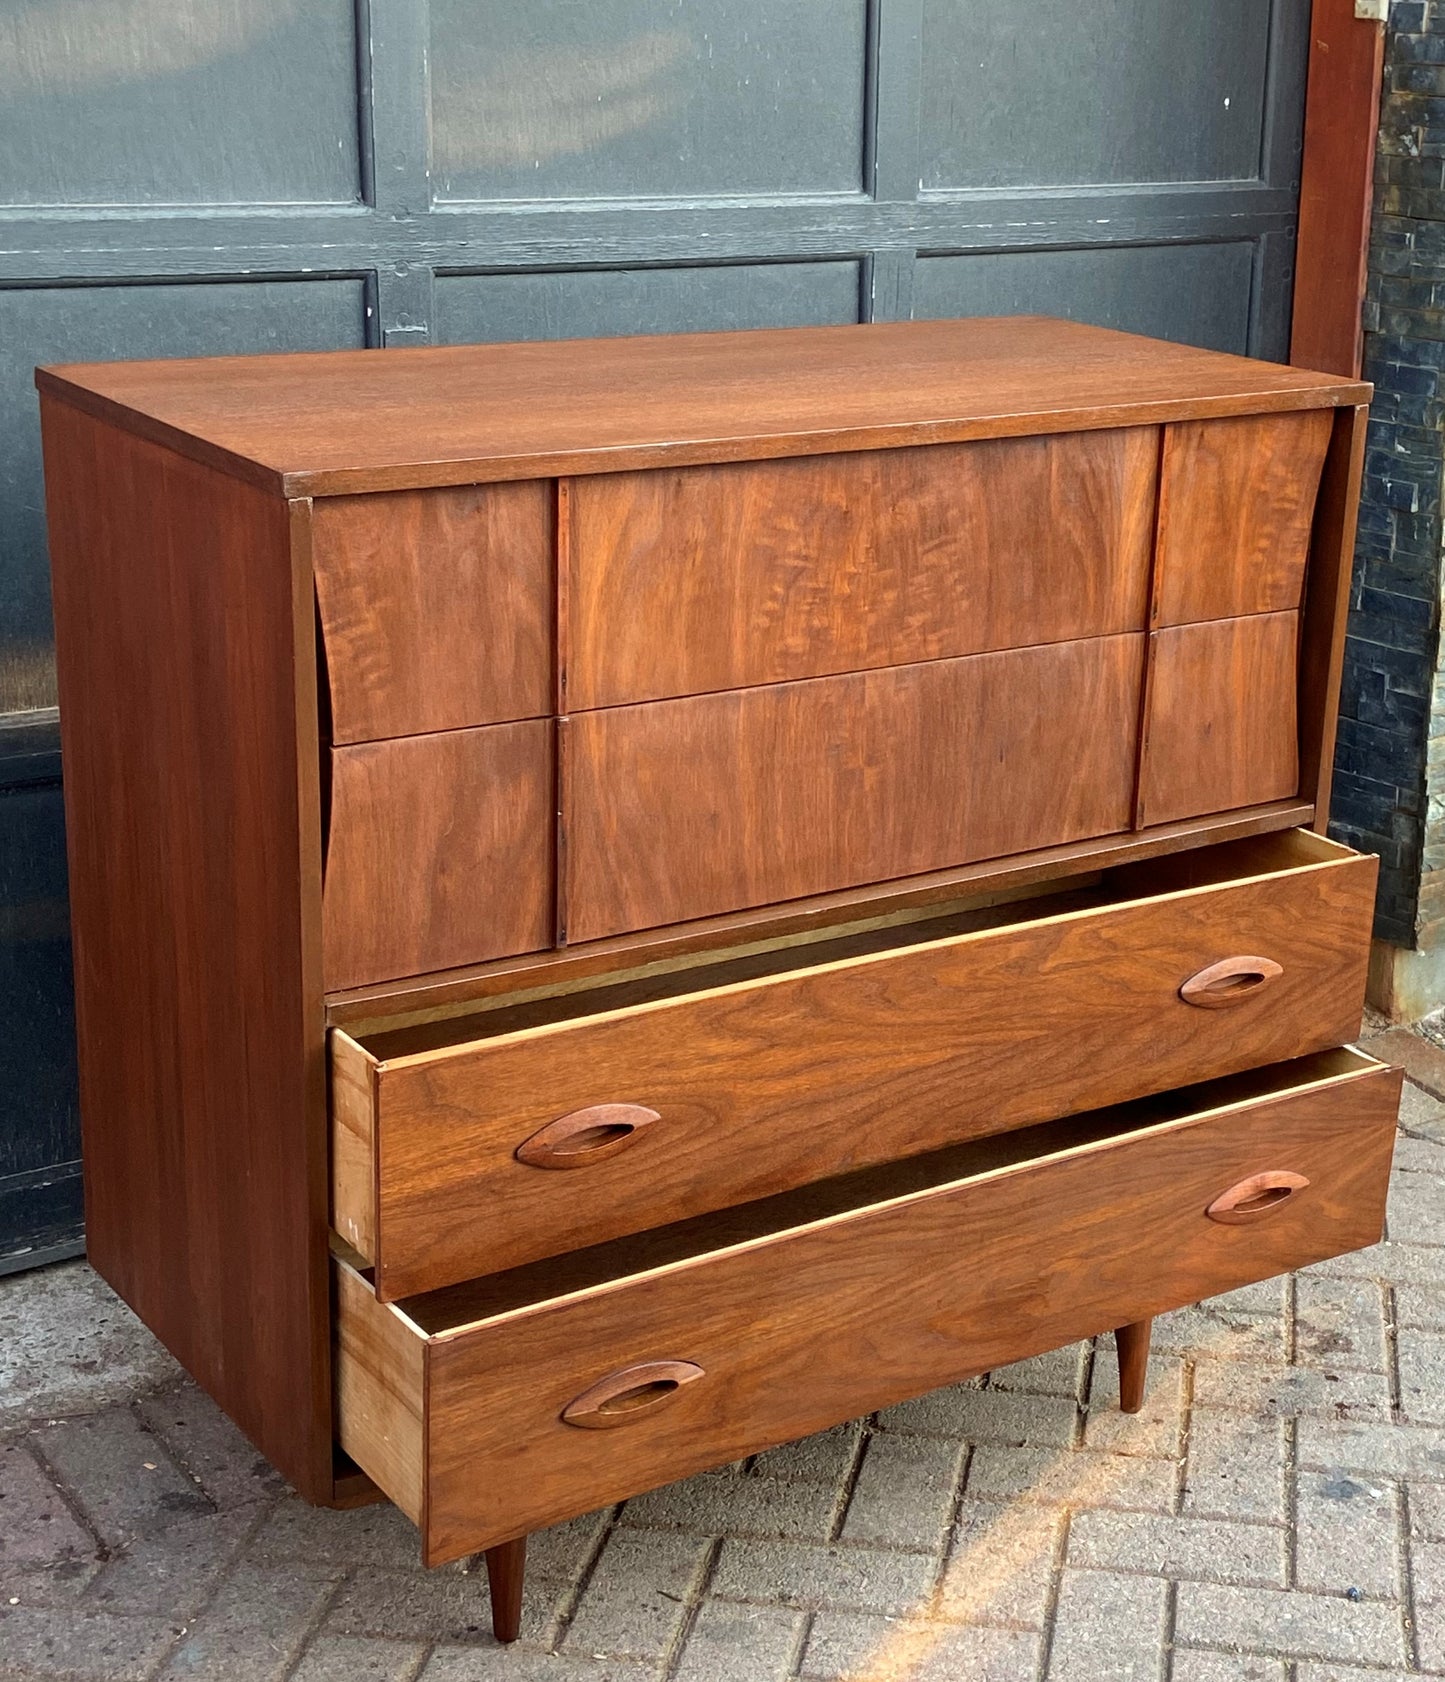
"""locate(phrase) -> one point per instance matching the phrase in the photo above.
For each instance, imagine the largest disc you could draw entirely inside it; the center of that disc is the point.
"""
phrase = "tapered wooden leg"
(1132, 1343)
(506, 1567)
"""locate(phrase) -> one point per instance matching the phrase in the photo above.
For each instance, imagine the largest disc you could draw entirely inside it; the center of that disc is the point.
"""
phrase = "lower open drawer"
(498, 1407)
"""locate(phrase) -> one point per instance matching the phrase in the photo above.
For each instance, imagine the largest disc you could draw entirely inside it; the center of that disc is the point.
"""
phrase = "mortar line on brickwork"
(1082, 1392)
(1291, 1319)
(850, 1479)
(1291, 1504)
(172, 1448)
(955, 1507)
(568, 1609)
(1051, 1603)
(1389, 1313)
(314, 1628)
(1407, 1574)
(951, 1528)
(188, 1624)
(144, 1426)
(692, 1605)
(427, 1649)
(1186, 1435)
(68, 1500)
(1171, 1614)
(800, 1643)
(239, 1548)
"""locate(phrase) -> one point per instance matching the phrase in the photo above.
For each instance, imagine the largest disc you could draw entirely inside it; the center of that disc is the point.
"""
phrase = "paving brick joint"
(1277, 1512)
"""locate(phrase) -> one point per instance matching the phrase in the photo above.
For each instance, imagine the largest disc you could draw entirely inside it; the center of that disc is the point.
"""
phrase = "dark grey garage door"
(245, 175)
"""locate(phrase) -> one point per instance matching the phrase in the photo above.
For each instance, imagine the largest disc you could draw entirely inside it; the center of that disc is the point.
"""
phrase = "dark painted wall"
(235, 175)
(1390, 711)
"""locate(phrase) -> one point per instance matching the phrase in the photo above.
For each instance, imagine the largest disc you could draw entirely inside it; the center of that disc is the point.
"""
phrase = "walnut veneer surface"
(601, 837)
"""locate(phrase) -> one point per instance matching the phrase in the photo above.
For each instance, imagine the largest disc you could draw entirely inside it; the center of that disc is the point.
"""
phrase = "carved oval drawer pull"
(585, 1136)
(624, 1396)
(1259, 1195)
(1229, 982)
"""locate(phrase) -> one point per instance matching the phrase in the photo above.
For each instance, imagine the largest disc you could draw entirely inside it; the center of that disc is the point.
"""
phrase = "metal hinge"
(1373, 11)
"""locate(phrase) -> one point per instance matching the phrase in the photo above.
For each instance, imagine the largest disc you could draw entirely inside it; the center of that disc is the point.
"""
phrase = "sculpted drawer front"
(439, 851)
(436, 607)
(686, 580)
(466, 1146)
(520, 1400)
(676, 810)
(1236, 505)
(1220, 717)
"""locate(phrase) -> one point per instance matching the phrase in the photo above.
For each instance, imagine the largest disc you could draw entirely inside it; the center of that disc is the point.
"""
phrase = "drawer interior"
(1186, 872)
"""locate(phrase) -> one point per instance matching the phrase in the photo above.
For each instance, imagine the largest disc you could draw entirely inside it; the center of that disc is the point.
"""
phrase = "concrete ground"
(1276, 1513)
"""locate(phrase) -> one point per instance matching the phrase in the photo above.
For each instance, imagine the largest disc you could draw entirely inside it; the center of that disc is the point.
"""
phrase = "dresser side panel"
(188, 715)
(1328, 576)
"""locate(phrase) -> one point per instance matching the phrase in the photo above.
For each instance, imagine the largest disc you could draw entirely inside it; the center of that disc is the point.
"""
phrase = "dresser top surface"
(333, 422)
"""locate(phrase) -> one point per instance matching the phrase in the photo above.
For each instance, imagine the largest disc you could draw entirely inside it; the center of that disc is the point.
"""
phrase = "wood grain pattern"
(1258, 1197)
(628, 1395)
(1236, 504)
(1220, 720)
(440, 851)
(380, 1399)
(436, 608)
(755, 1092)
(185, 630)
(1342, 120)
(1131, 1344)
(878, 1301)
(424, 998)
(353, 1145)
(707, 578)
(506, 1570)
(582, 1138)
(1230, 982)
(680, 809)
(345, 421)
(1327, 606)
(455, 838)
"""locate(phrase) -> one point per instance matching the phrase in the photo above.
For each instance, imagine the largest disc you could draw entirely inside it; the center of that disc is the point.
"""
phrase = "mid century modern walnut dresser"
(634, 900)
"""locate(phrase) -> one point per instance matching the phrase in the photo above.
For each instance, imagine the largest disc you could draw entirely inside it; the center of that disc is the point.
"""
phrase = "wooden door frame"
(1342, 120)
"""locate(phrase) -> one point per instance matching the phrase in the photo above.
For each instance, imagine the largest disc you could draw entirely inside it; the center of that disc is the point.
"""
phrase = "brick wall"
(1390, 766)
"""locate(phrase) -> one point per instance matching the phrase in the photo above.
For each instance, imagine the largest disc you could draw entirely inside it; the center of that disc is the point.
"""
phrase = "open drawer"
(669, 1095)
(514, 1402)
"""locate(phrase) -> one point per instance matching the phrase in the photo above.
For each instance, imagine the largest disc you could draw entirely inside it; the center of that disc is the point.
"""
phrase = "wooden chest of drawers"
(635, 900)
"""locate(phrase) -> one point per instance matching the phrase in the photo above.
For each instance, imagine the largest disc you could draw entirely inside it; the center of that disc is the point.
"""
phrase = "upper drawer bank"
(563, 709)
(673, 1094)
(462, 606)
